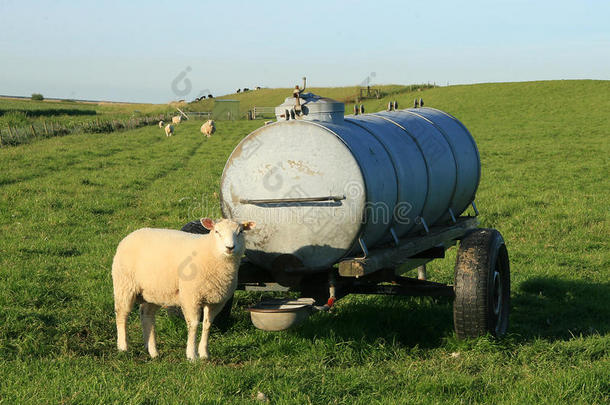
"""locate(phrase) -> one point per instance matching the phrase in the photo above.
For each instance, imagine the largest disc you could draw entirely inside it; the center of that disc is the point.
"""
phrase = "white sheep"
(163, 267)
(208, 128)
(169, 130)
(176, 119)
(161, 123)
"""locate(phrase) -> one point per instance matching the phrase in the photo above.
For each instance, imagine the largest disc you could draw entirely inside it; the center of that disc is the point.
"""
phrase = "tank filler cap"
(310, 107)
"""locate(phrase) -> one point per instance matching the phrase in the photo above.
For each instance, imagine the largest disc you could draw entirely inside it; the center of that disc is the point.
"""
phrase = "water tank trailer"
(346, 204)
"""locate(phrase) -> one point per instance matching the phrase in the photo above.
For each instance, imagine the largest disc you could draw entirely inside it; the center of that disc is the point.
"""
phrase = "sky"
(157, 51)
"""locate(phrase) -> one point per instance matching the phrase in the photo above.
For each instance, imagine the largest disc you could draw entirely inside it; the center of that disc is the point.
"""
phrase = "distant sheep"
(169, 130)
(164, 267)
(176, 119)
(208, 128)
(161, 124)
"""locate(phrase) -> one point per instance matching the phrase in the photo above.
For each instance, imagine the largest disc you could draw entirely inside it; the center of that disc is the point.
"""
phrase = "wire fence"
(11, 136)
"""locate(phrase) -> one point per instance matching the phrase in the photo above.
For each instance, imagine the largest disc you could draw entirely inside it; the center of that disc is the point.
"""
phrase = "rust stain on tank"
(266, 168)
(302, 167)
(261, 235)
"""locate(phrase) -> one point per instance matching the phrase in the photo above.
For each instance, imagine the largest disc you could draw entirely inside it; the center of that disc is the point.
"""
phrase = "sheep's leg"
(147, 317)
(209, 313)
(191, 316)
(122, 307)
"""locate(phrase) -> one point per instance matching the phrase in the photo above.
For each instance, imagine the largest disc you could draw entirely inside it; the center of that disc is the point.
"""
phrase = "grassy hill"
(274, 97)
(66, 203)
(24, 120)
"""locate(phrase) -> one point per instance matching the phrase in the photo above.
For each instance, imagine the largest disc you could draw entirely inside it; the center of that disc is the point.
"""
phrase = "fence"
(369, 93)
(42, 129)
(199, 115)
(258, 112)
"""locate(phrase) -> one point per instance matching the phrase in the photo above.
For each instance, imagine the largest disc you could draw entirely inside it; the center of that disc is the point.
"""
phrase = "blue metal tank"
(322, 186)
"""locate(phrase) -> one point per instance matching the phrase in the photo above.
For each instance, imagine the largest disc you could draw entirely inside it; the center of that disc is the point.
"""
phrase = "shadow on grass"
(547, 308)
(422, 322)
(560, 309)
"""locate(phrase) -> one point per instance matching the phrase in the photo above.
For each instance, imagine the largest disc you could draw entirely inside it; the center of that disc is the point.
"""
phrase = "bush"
(37, 97)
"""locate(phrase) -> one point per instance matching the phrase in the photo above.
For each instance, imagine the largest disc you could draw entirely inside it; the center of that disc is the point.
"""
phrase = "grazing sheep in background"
(208, 128)
(210, 96)
(161, 124)
(176, 119)
(169, 130)
(238, 91)
(164, 267)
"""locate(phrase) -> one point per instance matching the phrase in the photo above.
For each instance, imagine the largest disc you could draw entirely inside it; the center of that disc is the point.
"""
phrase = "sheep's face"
(228, 235)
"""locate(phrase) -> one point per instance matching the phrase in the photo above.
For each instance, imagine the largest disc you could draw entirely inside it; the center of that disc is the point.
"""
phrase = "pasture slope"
(66, 202)
(271, 97)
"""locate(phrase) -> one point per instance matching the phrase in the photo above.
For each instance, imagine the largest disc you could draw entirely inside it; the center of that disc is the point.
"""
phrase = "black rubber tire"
(222, 319)
(194, 227)
(481, 285)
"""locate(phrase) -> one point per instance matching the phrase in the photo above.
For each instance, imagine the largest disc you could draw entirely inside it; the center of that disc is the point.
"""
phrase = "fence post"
(46, 131)
(33, 131)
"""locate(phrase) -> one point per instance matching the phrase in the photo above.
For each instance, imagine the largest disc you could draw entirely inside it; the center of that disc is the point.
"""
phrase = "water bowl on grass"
(280, 314)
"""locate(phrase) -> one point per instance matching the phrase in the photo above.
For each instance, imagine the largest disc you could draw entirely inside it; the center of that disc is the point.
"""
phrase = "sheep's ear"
(207, 223)
(248, 225)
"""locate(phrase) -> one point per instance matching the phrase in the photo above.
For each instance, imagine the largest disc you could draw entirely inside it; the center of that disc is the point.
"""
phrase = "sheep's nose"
(230, 248)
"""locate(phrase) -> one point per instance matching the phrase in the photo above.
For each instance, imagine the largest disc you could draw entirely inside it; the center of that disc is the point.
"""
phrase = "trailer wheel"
(194, 227)
(481, 285)
(222, 319)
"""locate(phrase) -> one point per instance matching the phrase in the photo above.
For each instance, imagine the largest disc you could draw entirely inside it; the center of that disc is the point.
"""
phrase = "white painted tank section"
(295, 159)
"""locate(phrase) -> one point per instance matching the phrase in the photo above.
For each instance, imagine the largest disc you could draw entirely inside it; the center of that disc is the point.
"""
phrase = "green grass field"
(65, 203)
(22, 112)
